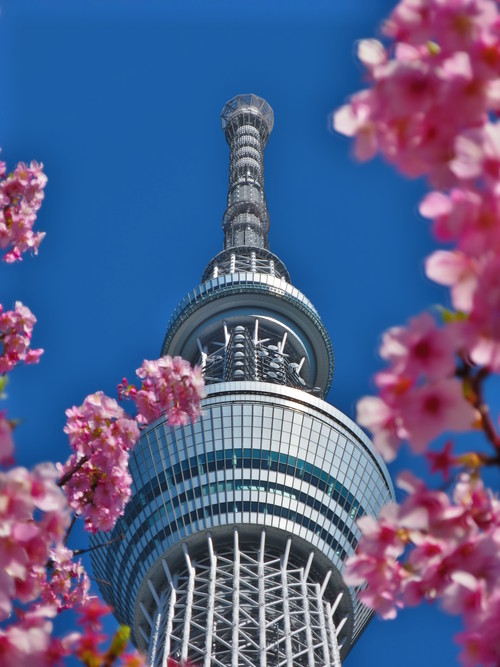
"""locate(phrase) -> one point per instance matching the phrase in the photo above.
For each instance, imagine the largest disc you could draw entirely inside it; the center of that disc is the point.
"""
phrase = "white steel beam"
(236, 601)
(286, 606)
(189, 605)
(262, 603)
(211, 604)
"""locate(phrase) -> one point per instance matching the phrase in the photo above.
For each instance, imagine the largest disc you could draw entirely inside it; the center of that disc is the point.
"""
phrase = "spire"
(247, 121)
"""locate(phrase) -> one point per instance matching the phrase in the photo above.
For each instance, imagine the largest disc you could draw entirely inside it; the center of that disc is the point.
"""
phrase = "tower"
(239, 525)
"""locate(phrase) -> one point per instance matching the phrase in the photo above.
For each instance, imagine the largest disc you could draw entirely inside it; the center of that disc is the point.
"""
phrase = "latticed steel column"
(244, 606)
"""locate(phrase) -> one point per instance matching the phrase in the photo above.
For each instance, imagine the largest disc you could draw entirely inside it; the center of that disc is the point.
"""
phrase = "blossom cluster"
(34, 517)
(67, 584)
(96, 478)
(16, 328)
(170, 386)
(88, 645)
(454, 555)
(21, 195)
(25, 543)
(39, 576)
(430, 109)
(439, 79)
(419, 397)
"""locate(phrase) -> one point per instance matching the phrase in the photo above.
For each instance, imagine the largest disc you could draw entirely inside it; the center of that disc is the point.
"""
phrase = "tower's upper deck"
(246, 321)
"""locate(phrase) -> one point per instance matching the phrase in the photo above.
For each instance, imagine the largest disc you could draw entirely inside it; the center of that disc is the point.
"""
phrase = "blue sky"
(121, 101)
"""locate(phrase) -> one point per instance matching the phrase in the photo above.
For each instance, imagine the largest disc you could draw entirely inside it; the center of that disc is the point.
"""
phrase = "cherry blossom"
(484, 320)
(21, 194)
(16, 328)
(456, 270)
(429, 109)
(170, 386)
(445, 57)
(88, 645)
(432, 409)
(67, 585)
(465, 216)
(29, 639)
(454, 552)
(477, 154)
(420, 348)
(26, 541)
(96, 478)
(377, 416)
(443, 460)
(419, 397)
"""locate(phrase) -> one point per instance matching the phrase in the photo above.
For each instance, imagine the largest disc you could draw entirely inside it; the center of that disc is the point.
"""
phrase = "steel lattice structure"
(208, 611)
(231, 550)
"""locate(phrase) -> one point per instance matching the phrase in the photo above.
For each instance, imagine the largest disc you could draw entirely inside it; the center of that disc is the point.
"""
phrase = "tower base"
(236, 606)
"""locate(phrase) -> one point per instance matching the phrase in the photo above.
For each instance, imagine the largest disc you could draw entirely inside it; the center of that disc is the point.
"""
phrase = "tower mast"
(239, 525)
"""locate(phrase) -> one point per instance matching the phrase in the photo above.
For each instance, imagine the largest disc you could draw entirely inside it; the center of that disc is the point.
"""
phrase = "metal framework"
(236, 535)
(254, 352)
(246, 260)
(247, 607)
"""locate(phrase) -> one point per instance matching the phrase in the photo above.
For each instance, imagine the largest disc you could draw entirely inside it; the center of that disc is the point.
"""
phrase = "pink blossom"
(353, 120)
(429, 512)
(21, 195)
(450, 212)
(433, 91)
(442, 62)
(408, 82)
(454, 25)
(371, 52)
(477, 154)
(468, 217)
(432, 409)
(456, 270)
(26, 641)
(455, 555)
(16, 328)
(97, 421)
(482, 507)
(481, 640)
(169, 387)
(443, 460)
(383, 578)
(68, 584)
(416, 413)
(375, 563)
(464, 595)
(96, 478)
(376, 415)
(33, 517)
(484, 320)
(382, 535)
(420, 349)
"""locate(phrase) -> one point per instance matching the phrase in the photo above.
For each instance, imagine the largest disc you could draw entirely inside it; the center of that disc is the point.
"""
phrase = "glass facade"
(262, 456)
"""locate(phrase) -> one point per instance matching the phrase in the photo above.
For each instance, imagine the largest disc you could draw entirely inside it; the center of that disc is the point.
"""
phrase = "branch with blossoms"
(431, 109)
(39, 575)
(21, 195)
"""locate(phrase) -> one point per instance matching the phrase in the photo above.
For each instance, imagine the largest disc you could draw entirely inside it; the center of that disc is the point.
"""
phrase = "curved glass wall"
(262, 456)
